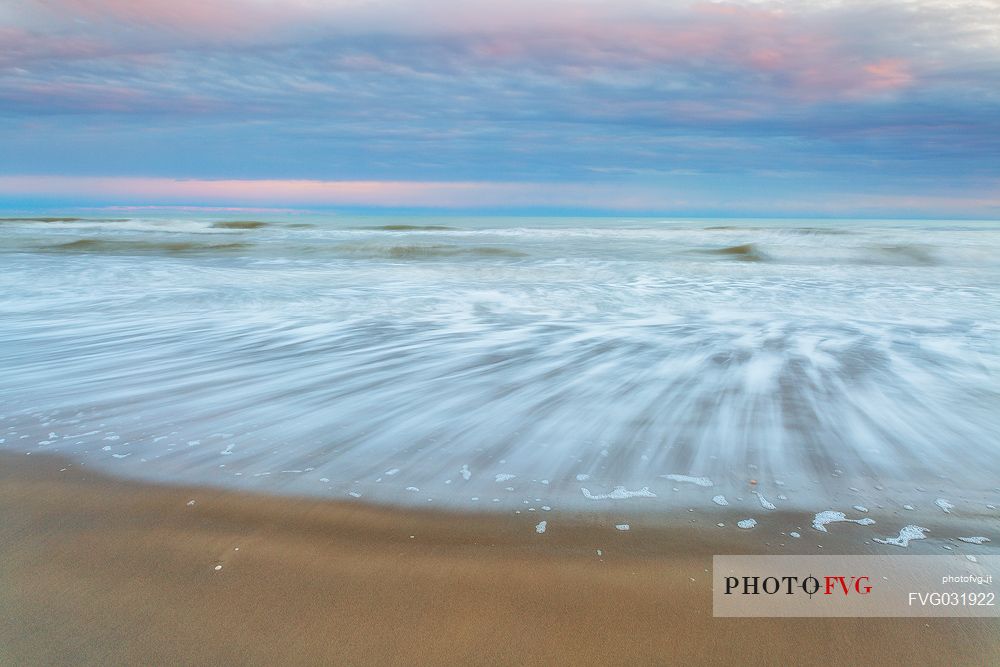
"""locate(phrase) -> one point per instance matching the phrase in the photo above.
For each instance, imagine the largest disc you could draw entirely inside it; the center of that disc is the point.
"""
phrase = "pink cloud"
(287, 192)
(312, 192)
(888, 74)
(775, 50)
(271, 194)
(205, 18)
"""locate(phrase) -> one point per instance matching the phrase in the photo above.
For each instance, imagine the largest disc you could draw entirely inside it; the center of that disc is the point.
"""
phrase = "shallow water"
(509, 363)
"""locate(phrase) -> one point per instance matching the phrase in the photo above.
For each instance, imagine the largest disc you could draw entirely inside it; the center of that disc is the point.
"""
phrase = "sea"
(512, 363)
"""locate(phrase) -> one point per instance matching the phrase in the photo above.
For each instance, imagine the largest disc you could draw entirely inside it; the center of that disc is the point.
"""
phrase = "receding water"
(435, 361)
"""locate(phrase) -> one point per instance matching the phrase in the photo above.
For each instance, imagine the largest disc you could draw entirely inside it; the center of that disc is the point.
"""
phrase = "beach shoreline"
(105, 570)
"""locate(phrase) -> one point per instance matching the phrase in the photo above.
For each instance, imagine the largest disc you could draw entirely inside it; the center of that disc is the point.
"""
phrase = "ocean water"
(513, 363)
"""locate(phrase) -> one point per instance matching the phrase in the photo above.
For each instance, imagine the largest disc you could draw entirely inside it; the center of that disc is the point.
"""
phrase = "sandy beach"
(104, 571)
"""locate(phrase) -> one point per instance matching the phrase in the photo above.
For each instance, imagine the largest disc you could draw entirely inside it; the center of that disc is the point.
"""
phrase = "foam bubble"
(747, 524)
(764, 502)
(821, 520)
(945, 506)
(720, 500)
(975, 540)
(622, 526)
(540, 527)
(699, 481)
(619, 493)
(906, 534)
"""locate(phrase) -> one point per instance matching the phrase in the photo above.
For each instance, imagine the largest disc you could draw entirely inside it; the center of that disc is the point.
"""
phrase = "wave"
(819, 231)
(141, 247)
(411, 228)
(746, 252)
(48, 219)
(429, 251)
(239, 224)
(907, 253)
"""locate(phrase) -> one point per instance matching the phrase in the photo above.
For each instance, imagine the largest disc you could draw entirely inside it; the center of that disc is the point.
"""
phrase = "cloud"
(442, 91)
(269, 194)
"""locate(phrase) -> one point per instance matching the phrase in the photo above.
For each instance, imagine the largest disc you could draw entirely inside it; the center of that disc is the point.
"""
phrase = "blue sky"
(820, 108)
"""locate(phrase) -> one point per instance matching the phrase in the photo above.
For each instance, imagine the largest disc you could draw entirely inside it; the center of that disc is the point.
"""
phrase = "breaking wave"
(428, 251)
(142, 247)
(239, 224)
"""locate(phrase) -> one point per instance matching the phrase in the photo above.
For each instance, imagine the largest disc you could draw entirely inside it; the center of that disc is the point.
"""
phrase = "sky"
(820, 108)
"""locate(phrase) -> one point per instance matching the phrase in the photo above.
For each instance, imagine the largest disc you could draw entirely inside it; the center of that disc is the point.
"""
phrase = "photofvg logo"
(788, 585)
(792, 586)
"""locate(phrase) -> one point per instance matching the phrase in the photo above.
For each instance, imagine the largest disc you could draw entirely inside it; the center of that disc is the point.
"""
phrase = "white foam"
(540, 527)
(747, 523)
(908, 507)
(228, 450)
(861, 508)
(412, 488)
(622, 526)
(700, 481)
(391, 472)
(720, 500)
(906, 534)
(503, 477)
(945, 506)
(619, 493)
(764, 502)
(821, 520)
(794, 534)
(466, 473)
(582, 478)
(972, 558)
(975, 540)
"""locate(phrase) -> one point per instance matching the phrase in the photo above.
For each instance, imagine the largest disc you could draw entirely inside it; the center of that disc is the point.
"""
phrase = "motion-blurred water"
(457, 361)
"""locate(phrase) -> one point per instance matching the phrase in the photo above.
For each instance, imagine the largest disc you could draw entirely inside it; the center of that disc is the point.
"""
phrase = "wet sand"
(99, 570)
